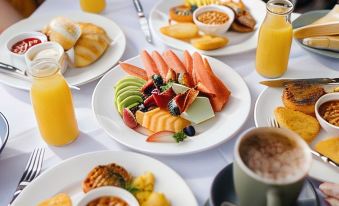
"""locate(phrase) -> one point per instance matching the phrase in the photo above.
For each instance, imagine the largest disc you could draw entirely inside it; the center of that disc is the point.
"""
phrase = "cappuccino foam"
(272, 156)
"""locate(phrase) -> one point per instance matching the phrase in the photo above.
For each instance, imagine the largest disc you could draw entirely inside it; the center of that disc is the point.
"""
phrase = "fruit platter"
(214, 27)
(171, 103)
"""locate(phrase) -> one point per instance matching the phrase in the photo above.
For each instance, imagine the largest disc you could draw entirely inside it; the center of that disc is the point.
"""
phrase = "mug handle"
(273, 198)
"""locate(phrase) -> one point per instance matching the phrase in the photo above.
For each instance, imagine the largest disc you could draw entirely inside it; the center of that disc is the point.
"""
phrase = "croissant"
(63, 31)
(91, 45)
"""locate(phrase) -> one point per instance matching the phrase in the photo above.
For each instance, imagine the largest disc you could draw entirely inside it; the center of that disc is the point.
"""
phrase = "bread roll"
(91, 45)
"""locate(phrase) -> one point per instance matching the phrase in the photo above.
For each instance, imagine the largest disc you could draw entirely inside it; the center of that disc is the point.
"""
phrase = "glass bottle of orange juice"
(94, 6)
(52, 102)
(275, 38)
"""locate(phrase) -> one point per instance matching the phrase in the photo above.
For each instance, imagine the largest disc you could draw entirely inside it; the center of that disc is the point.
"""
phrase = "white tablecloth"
(198, 170)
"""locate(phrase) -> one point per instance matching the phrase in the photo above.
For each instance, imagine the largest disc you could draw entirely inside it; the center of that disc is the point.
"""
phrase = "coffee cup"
(270, 166)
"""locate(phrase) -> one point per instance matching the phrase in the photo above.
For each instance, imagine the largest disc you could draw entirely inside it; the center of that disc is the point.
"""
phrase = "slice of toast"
(305, 125)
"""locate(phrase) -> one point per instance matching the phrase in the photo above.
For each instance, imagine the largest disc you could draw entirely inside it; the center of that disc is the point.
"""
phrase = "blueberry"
(189, 131)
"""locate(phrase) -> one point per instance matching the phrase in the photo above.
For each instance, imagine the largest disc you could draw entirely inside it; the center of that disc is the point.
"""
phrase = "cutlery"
(143, 21)
(32, 170)
(284, 82)
(274, 123)
(21, 74)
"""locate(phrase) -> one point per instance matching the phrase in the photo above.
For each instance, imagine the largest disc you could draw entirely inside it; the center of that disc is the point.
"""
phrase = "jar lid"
(280, 7)
(43, 67)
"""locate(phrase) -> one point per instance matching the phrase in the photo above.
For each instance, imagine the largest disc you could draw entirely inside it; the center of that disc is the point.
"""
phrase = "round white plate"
(239, 42)
(73, 76)
(267, 101)
(209, 134)
(68, 176)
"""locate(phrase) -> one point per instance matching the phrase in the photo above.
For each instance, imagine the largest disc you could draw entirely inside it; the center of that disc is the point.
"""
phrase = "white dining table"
(198, 170)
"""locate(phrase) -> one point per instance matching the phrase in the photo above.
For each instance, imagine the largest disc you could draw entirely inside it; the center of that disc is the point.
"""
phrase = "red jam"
(22, 46)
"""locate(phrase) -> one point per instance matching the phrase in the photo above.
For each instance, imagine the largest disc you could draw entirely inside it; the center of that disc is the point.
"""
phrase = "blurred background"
(12, 11)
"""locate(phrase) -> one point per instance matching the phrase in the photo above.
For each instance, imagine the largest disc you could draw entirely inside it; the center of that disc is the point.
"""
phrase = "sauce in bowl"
(22, 46)
(329, 111)
(107, 201)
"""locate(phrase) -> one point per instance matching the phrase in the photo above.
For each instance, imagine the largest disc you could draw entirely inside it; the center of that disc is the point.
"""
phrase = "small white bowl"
(108, 191)
(21, 37)
(330, 128)
(61, 56)
(214, 29)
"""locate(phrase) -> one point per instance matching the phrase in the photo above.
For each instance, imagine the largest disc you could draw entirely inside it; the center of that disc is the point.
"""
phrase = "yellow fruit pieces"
(208, 42)
(158, 120)
(181, 30)
(305, 125)
(144, 185)
(330, 148)
(156, 199)
(61, 199)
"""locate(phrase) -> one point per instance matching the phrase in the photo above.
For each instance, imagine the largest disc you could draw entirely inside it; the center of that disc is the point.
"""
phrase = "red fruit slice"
(202, 88)
(148, 87)
(133, 70)
(191, 95)
(162, 99)
(149, 101)
(163, 136)
(129, 118)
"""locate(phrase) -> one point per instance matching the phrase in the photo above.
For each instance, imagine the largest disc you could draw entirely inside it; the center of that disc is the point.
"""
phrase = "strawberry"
(148, 88)
(149, 101)
(167, 137)
(162, 99)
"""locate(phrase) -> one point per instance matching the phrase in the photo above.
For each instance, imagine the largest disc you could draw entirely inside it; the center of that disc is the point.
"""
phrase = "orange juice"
(53, 105)
(94, 6)
(275, 38)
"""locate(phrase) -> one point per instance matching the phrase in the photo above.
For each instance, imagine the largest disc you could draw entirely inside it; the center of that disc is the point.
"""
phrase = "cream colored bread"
(302, 97)
(208, 42)
(63, 31)
(61, 199)
(330, 148)
(181, 30)
(91, 45)
(305, 125)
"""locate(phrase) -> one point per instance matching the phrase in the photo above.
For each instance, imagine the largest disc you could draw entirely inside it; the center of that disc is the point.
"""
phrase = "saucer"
(4, 131)
(222, 191)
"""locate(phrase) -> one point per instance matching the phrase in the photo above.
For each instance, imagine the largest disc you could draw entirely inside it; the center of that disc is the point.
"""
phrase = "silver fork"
(32, 170)
(274, 123)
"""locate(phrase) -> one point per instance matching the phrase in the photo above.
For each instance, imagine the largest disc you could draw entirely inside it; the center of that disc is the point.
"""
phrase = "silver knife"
(143, 21)
(284, 82)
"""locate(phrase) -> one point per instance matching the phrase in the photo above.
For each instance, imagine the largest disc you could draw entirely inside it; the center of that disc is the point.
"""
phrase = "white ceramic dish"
(74, 77)
(67, 176)
(19, 37)
(267, 101)
(215, 29)
(209, 134)
(108, 191)
(60, 57)
(239, 42)
(330, 128)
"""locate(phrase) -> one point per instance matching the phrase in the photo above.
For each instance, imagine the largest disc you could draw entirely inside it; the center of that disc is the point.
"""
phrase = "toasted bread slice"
(106, 175)
(330, 148)
(305, 125)
(302, 97)
(61, 199)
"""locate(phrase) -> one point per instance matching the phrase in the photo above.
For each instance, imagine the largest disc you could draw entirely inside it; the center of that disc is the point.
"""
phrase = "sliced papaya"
(160, 63)
(133, 70)
(189, 64)
(174, 62)
(149, 64)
